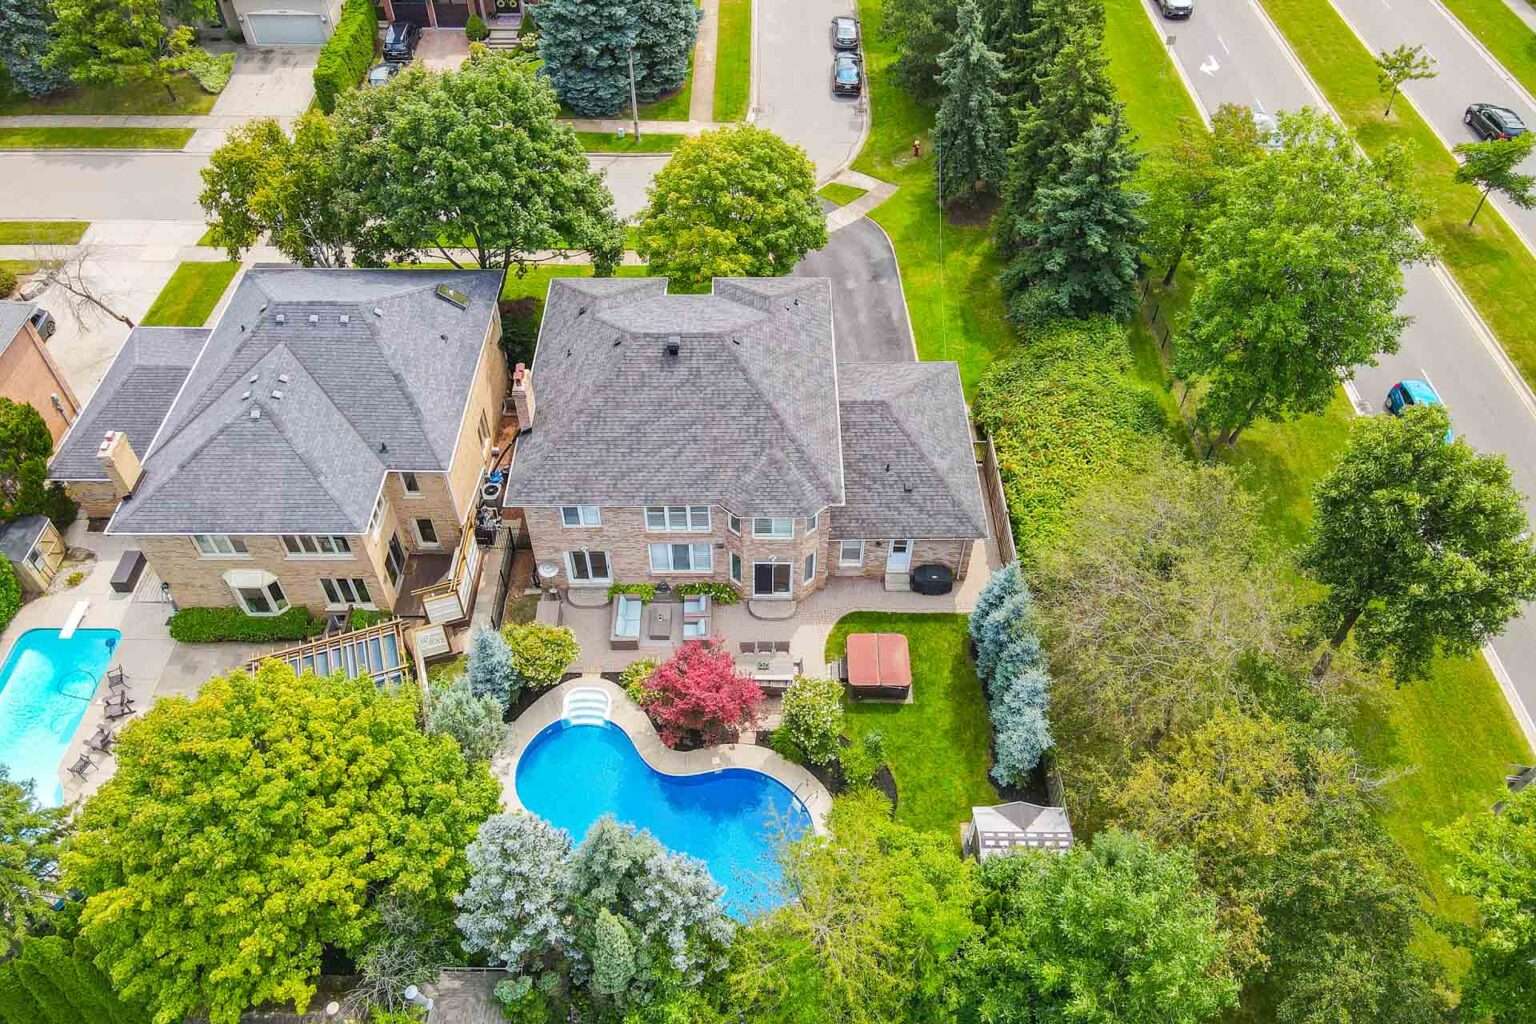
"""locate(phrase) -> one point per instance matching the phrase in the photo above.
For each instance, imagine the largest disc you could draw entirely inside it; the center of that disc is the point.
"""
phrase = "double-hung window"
(850, 552)
(588, 566)
(677, 519)
(681, 558)
(217, 545)
(581, 515)
(810, 568)
(343, 592)
(377, 519)
(778, 527)
(394, 561)
(316, 546)
(410, 485)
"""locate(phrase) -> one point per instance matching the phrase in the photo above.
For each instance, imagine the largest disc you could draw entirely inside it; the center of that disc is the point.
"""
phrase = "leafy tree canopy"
(248, 828)
(111, 42)
(1493, 167)
(30, 839)
(25, 445)
(734, 202)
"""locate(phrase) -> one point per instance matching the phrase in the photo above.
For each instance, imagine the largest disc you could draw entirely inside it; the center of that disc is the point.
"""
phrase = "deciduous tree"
(540, 654)
(1492, 167)
(970, 133)
(1300, 276)
(733, 202)
(1423, 544)
(31, 837)
(248, 828)
(514, 908)
(25, 445)
(1404, 64)
(813, 718)
(699, 694)
(113, 42)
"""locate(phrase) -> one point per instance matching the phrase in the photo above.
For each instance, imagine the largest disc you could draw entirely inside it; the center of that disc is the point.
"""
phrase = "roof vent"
(674, 345)
(253, 378)
(444, 337)
(246, 397)
(377, 311)
(344, 319)
(314, 318)
(453, 296)
(383, 447)
(277, 394)
(255, 412)
(281, 318)
(263, 308)
(283, 378)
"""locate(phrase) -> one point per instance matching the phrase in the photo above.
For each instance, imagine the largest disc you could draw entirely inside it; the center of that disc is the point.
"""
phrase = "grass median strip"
(733, 60)
(605, 142)
(94, 138)
(1489, 261)
(842, 195)
(42, 232)
(188, 298)
(1499, 29)
(141, 97)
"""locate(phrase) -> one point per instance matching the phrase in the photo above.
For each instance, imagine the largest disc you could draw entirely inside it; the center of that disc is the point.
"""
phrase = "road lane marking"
(1224, 47)
(1507, 684)
(1210, 66)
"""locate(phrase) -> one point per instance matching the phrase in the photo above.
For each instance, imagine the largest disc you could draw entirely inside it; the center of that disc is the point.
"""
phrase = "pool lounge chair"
(102, 740)
(628, 611)
(81, 766)
(115, 678)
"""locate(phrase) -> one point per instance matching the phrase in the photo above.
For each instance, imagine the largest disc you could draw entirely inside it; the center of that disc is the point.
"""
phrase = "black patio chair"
(102, 740)
(115, 678)
(81, 766)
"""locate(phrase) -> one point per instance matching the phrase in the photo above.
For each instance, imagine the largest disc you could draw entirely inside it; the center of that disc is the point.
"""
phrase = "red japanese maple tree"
(699, 692)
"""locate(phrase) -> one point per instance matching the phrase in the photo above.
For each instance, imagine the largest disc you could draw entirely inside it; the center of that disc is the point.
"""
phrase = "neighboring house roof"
(744, 414)
(1019, 825)
(289, 427)
(132, 398)
(907, 453)
(18, 536)
(13, 317)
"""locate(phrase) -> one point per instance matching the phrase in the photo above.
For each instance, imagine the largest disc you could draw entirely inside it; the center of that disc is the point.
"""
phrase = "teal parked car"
(1408, 393)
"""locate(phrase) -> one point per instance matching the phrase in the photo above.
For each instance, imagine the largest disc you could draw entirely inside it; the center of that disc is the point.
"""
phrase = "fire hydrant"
(917, 147)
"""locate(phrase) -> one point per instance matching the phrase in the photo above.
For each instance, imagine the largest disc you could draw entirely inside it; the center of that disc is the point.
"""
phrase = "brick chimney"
(121, 464)
(522, 396)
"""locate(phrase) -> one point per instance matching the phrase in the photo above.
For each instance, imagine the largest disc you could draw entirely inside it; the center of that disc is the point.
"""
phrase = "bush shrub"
(636, 680)
(473, 722)
(348, 54)
(7, 283)
(211, 71)
(519, 328)
(10, 592)
(223, 625)
(362, 618)
(644, 591)
(861, 759)
(540, 654)
(476, 30)
(813, 718)
(721, 593)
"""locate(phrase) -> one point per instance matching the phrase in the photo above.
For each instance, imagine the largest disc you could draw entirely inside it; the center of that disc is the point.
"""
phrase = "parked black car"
(845, 33)
(847, 75)
(400, 42)
(1493, 122)
(1176, 8)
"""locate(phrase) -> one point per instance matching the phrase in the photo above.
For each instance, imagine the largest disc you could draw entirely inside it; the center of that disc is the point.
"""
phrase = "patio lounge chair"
(102, 740)
(748, 647)
(115, 678)
(116, 711)
(81, 766)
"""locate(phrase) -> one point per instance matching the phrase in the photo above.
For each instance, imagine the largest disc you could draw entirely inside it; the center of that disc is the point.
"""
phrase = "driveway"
(869, 316)
(275, 81)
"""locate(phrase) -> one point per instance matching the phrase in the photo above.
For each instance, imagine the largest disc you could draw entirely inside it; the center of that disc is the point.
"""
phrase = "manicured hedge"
(348, 54)
(10, 592)
(218, 625)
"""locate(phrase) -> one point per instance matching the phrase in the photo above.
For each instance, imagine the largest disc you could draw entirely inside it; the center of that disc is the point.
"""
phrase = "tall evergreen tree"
(1079, 243)
(585, 45)
(26, 28)
(921, 29)
(1004, 21)
(970, 133)
(1037, 36)
(1071, 90)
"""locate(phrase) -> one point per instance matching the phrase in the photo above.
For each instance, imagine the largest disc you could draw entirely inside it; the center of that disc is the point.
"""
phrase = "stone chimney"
(522, 396)
(120, 463)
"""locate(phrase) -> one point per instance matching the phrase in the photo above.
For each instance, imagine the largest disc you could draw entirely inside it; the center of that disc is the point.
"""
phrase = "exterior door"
(900, 558)
(770, 579)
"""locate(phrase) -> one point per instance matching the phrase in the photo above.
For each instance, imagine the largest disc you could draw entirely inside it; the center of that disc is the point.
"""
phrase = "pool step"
(585, 705)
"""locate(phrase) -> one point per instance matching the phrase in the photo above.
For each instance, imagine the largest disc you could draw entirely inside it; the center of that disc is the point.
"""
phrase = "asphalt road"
(869, 316)
(100, 185)
(794, 82)
(1468, 74)
(1231, 55)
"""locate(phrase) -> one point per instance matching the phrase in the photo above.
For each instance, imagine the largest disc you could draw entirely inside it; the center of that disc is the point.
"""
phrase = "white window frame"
(668, 564)
(809, 569)
(409, 485)
(774, 531)
(842, 553)
(421, 541)
(736, 563)
(585, 516)
(586, 555)
(677, 518)
(380, 513)
(396, 573)
(733, 523)
(279, 600)
(346, 592)
(313, 546)
(811, 522)
(219, 545)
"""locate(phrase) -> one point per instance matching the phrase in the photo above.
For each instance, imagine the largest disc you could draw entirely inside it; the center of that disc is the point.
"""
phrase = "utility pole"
(634, 105)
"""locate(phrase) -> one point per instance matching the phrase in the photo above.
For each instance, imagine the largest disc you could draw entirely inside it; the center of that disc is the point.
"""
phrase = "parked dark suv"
(1493, 122)
(845, 33)
(400, 42)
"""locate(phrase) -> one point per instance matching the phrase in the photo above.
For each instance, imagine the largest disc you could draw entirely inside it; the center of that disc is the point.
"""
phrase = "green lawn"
(134, 98)
(190, 295)
(669, 108)
(948, 269)
(94, 138)
(939, 746)
(733, 61)
(20, 268)
(41, 232)
(1490, 262)
(1500, 29)
(606, 142)
(1137, 56)
(206, 238)
(842, 195)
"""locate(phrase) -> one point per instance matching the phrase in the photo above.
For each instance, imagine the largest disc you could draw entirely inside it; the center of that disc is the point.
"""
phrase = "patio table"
(879, 664)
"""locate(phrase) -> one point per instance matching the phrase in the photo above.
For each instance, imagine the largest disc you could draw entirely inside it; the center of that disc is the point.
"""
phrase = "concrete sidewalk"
(701, 103)
(198, 121)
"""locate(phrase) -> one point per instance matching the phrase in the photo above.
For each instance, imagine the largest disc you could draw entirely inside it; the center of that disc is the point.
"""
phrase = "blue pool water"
(733, 819)
(45, 686)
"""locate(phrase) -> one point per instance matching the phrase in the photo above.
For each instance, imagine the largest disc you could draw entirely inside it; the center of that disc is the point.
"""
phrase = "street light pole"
(634, 105)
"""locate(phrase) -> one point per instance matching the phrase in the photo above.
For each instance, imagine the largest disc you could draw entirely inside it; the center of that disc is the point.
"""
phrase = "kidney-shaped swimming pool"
(734, 819)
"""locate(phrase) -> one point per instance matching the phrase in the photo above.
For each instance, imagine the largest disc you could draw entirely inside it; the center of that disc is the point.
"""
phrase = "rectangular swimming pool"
(46, 684)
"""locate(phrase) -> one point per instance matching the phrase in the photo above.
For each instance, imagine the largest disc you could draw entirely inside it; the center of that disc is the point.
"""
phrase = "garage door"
(285, 29)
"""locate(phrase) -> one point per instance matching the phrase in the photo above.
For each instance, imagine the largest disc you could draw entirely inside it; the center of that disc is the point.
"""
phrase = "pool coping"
(627, 715)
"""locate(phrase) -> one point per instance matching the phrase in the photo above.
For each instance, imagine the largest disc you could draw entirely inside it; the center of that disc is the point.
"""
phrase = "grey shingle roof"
(133, 397)
(745, 414)
(907, 453)
(18, 536)
(12, 316)
(384, 390)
